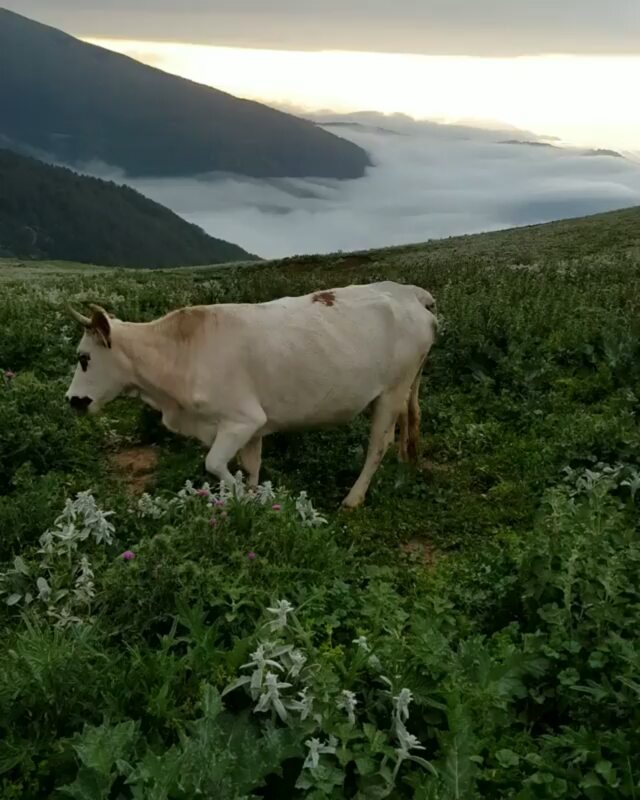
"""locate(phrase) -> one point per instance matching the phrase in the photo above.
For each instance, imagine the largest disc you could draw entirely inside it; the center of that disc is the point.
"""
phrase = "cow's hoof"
(351, 503)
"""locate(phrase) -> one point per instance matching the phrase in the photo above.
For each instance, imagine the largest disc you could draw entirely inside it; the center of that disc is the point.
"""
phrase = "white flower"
(260, 662)
(296, 660)
(44, 590)
(304, 706)
(224, 492)
(265, 493)
(270, 697)
(407, 742)
(401, 703)
(280, 612)
(239, 488)
(318, 748)
(307, 512)
(152, 507)
(348, 702)
(64, 618)
(188, 490)
(80, 519)
(362, 643)
(84, 590)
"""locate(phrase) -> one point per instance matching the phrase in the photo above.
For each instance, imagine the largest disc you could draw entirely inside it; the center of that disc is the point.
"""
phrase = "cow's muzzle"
(80, 404)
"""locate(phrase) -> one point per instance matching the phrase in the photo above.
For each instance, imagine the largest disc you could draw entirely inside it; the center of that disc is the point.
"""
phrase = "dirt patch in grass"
(136, 466)
(422, 550)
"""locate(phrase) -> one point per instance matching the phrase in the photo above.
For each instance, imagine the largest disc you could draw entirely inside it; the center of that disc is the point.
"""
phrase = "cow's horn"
(85, 321)
(98, 309)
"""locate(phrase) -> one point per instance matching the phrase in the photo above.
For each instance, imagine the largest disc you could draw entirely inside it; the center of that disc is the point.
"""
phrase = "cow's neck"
(157, 365)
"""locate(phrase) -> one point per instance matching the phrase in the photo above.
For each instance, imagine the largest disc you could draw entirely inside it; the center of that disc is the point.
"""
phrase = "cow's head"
(101, 374)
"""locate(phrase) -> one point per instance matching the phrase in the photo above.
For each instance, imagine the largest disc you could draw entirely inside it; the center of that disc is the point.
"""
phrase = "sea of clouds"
(428, 180)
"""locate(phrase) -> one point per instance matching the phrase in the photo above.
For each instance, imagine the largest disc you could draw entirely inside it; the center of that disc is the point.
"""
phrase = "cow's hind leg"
(391, 436)
(413, 438)
(403, 442)
(385, 414)
(251, 458)
(231, 437)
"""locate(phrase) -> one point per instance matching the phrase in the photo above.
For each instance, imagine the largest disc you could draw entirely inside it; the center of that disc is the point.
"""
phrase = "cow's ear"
(100, 324)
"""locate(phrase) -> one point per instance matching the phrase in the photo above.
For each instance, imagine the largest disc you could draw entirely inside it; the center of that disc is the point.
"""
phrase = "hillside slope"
(611, 234)
(80, 103)
(54, 213)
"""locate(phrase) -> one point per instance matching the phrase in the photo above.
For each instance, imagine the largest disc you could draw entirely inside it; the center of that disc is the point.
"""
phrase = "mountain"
(77, 103)
(593, 152)
(52, 212)
(600, 151)
(528, 144)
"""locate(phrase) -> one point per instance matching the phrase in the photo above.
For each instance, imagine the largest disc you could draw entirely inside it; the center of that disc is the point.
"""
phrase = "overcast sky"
(471, 27)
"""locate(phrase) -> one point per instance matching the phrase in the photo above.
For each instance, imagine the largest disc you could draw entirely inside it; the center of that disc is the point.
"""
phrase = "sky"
(459, 27)
(566, 68)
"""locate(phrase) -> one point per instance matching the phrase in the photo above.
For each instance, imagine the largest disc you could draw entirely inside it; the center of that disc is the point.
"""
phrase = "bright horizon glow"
(583, 100)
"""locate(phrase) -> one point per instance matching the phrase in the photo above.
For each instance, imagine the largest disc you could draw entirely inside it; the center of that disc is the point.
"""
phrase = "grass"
(497, 581)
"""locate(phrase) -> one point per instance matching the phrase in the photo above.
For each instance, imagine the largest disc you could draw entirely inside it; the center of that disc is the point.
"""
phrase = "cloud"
(429, 181)
(490, 27)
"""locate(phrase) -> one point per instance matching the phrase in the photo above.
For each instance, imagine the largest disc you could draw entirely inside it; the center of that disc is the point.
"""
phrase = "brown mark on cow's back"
(326, 298)
(184, 324)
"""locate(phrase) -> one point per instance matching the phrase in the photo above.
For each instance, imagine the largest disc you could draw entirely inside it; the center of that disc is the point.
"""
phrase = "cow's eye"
(83, 360)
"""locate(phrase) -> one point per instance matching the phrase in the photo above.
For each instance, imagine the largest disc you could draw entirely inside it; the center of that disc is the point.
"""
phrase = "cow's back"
(320, 358)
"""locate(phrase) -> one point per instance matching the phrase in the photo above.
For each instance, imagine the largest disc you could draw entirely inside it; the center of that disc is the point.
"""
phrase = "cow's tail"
(427, 300)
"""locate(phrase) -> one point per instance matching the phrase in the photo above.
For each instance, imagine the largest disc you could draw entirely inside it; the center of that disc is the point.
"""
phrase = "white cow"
(230, 374)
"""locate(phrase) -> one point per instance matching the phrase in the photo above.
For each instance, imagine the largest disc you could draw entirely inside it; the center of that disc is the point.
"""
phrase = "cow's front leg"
(250, 458)
(231, 437)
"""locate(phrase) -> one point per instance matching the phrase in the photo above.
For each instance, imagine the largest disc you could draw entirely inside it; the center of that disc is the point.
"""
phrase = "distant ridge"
(49, 212)
(592, 152)
(78, 103)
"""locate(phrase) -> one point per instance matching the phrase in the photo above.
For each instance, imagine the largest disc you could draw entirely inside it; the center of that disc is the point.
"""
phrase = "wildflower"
(307, 512)
(187, 491)
(203, 493)
(276, 507)
(408, 742)
(348, 702)
(213, 522)
(296, 660)
(64, 618)
(401, 704)
(260, 660)
(80, 519)
(9, 374)
(251, 555)
(219, 502)
(151, 507)
(128, 555)
(304, 706)
(270, 697)
(362, 643)
(239, 487)
(280, 612)
(318, 748)
(265, 493)
(44, 590)
(84, 590)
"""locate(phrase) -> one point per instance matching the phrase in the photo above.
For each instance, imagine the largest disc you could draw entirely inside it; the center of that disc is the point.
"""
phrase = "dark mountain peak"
(80, 103)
